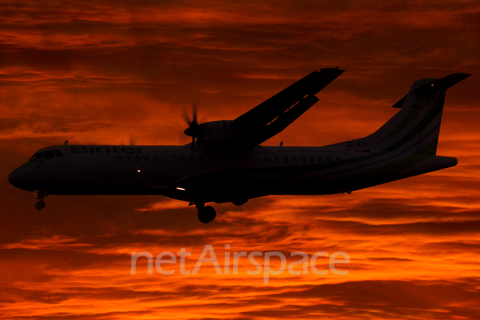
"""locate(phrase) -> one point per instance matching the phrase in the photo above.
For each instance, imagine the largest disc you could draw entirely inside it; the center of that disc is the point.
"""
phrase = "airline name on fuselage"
(106, 149)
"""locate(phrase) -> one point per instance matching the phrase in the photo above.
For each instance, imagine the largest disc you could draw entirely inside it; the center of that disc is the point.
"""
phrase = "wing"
(275, 114)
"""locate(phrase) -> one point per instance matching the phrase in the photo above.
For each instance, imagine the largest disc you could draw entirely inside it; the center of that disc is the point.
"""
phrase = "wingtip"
(464, 75)
(337, 69)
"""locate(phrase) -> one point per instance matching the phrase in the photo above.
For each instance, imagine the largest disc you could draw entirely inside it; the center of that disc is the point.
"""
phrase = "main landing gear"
(39, 195)
(205, 214)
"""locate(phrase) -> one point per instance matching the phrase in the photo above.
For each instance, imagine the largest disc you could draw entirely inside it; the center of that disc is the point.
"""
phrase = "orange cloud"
(107, 73)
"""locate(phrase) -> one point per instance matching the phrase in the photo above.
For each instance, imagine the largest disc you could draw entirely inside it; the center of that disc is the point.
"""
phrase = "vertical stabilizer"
(416, 127)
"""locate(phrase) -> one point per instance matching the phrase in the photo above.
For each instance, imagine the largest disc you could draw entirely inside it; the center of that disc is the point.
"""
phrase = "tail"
(416, 127)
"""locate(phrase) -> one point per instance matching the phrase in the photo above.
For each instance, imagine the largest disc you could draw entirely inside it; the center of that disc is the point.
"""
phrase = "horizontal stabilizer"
(444, 83)
(436, 85)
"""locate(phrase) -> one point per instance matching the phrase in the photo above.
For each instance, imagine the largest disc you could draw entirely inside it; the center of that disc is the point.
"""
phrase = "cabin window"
(48, 154)
(294, 160)
(192, 158)
(337, 159)
(201, 159)
(303, 160)
(164, 159)
(248, 159)
(36, 156)
(329, 159)
(183, 158)
(276, 160)
(174, 159)
(320, 159)
(257, 159)
(155, 159)
(137, 158)
(146, 158)
(285, 160)
(58, 153)
(128, 158)
(119, 159)
(312, 159)
(267, 159)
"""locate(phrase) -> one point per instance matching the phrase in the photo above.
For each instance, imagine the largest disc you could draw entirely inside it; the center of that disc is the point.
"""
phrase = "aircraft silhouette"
(226, 163)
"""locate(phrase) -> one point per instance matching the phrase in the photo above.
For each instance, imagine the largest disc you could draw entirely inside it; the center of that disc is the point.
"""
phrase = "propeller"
(133, 140)
(193, 129)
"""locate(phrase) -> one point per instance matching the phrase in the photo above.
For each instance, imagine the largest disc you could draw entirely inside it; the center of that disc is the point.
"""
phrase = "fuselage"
(185, 173)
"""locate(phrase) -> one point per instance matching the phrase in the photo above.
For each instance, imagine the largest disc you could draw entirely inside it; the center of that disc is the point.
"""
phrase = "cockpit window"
(48, 154)
(36, 156)
(58, 153)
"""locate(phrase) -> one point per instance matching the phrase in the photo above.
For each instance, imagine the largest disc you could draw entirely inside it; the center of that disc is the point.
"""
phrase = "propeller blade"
(193, 129)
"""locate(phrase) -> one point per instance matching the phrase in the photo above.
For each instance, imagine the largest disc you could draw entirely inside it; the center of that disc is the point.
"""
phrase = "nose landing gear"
(40, 205)
(205, 214)
(39, 195)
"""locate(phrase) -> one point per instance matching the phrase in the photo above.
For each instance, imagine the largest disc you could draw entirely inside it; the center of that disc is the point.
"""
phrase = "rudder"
(416, 127)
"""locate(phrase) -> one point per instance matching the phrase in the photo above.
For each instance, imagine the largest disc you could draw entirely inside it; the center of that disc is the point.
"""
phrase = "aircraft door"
(93, 166)
(119, 161)
(354, 168)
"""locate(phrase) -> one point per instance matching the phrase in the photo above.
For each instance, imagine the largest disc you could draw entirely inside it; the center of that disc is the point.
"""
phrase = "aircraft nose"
(18, 178)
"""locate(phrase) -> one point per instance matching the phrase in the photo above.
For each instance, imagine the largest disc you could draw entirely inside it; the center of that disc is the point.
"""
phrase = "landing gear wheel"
(206, 214)
(40, 205)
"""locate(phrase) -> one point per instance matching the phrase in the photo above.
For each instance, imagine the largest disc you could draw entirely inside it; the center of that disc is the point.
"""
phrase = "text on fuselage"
(357, 144)
(111, 149)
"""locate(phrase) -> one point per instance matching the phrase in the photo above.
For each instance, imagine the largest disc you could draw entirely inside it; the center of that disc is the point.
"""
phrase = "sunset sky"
(124, 72)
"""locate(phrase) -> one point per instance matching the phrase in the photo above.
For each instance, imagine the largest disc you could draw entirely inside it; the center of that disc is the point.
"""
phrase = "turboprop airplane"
(226, 163)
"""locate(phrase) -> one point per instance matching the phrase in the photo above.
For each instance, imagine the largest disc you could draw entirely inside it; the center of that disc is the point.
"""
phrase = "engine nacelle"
(218, 133)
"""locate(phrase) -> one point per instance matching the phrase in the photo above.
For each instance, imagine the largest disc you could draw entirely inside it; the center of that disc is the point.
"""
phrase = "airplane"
(225, 162)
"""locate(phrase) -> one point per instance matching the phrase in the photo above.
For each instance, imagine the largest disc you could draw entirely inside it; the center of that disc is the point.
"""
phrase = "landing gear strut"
(39, 195)
(205, 214)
